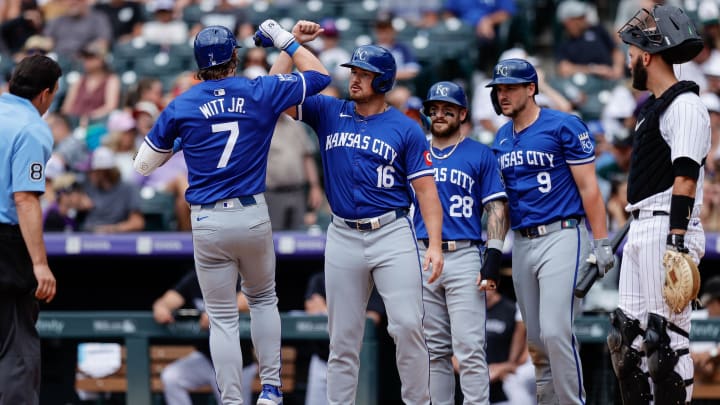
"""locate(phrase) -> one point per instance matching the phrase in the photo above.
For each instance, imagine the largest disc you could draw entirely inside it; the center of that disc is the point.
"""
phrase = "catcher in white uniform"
(650, 331)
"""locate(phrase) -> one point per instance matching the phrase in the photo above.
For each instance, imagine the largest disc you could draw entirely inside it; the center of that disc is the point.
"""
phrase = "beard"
(639, 76)
(451, 128)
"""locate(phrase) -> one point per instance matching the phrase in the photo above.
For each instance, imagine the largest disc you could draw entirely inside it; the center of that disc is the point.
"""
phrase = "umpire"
(25, 146)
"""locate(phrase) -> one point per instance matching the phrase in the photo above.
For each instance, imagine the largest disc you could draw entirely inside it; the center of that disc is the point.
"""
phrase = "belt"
(8, 229)
(642, 214)
(540, 230)
(245, 201)
(370, 224)
(452, 245)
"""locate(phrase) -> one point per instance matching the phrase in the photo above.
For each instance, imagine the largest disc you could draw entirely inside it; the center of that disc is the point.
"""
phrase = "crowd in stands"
(123, 61)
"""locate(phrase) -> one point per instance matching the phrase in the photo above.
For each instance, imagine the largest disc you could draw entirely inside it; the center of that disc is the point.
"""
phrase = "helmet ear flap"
(495, 101)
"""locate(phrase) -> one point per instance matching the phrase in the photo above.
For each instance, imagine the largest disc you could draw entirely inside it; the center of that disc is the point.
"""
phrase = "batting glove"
(490, 269)
(676, 242)
(270, 33)
(604, 257)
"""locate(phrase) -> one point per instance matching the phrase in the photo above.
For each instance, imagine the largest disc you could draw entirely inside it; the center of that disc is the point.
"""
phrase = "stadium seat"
(158, 208)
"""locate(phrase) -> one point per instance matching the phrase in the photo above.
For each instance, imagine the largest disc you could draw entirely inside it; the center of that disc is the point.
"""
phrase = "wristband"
(681, 207)
(290, 49)
(495, 244)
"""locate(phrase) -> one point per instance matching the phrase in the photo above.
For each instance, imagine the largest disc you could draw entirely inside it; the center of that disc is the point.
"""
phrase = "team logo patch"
(586, 142)
(36, 172)
(428, 158)
(287, 77)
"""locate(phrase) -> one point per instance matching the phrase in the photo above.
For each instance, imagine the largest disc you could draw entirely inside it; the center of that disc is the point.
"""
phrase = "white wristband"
(495, 244)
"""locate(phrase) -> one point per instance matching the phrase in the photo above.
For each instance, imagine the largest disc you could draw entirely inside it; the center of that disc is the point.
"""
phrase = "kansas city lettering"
(454, 176)
(364, 142)
(217, 106)
(526, 157)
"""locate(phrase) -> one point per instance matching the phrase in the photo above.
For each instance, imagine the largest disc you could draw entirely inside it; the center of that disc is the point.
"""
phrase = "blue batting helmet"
(378, 60)
(448, 92)
(214, 45)
(511, 71)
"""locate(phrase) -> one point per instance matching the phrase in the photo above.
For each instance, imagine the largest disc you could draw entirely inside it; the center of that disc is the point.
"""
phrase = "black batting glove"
(490, 269)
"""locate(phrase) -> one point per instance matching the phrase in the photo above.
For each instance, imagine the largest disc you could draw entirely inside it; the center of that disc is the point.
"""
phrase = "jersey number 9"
(545, 184)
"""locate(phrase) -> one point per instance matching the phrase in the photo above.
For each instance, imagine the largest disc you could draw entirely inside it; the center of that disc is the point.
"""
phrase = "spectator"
(386, 37)
(712, 102)
(617, 202)
(512, 376)
(331, 54)
(66, 213)
(126, 18)
(588, 48)
(228, 14)
(164, 29)
(420, 13)
(315, 304)
(146, 89)
(71, 151)
(15, 32)
(255, 63)
(78, 27)
(115, 204)
(145, 114)
(97, 92)
(121, 139)
(196, 369)
(706, 359)
(486, 17)
(710, 211)
(293, 185)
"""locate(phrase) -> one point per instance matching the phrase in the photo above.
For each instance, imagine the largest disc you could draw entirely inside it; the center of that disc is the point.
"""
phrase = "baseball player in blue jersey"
(547, 160)
(468, 181)
(649, 339)
(224, 126)
(372, 154)
(25, 276)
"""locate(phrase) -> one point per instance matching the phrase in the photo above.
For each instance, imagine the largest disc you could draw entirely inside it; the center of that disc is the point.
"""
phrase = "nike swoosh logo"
(201, 218)
(638, 124)
(345, 115)
(502, 141)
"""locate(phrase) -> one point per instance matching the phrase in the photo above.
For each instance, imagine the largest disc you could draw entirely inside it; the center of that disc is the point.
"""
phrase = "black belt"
(7, 229)
(540, 230)
(245, 201)
(645, 214)
(452, 245)
(370, 224)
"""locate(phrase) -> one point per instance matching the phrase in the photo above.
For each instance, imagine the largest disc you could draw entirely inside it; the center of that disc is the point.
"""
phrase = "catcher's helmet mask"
(378, 60)
(214, 45)
(511, 71)
(448, 92)
(666, 30)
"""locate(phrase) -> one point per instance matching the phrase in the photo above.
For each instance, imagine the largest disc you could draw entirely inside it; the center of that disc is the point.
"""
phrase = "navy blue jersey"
(367, 161)
(466, 180)
(225, 128)
(535, 167)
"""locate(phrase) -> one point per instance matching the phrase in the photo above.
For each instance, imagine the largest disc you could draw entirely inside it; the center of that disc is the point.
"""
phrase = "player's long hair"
(220, 71)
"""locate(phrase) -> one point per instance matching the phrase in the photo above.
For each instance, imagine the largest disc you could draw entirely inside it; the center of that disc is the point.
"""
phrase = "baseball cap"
(103, 158)
(54, 168)
(711, 101)
(38, 43)
(384, 20)
(146, 107)
(708, 11)
(571, 9)
(329, 27)
(120, 121)
(163, 5)
(94, 49)
(711, 291)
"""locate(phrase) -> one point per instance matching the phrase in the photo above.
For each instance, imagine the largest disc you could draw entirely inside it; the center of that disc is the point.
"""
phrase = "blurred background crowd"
(124, 60)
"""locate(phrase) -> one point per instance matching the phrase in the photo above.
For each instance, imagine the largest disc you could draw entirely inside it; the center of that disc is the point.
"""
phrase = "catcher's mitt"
(682, 280)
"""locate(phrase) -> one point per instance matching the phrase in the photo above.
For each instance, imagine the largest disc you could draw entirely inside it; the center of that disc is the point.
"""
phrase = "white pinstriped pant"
(642, 277)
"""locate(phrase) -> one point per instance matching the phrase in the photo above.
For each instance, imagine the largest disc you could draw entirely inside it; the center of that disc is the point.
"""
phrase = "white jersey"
(691, 140)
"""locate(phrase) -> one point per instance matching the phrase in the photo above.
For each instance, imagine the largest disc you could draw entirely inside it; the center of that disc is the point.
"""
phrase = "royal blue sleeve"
(287, 90)
(491, 185)
(417, 160)
(161, 137)
(577, 141)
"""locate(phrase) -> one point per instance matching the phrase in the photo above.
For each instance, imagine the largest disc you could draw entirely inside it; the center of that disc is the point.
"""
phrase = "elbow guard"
(686, 167)
(147, 159)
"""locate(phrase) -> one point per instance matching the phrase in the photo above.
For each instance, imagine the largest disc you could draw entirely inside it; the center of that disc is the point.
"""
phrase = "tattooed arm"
(497, 227)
